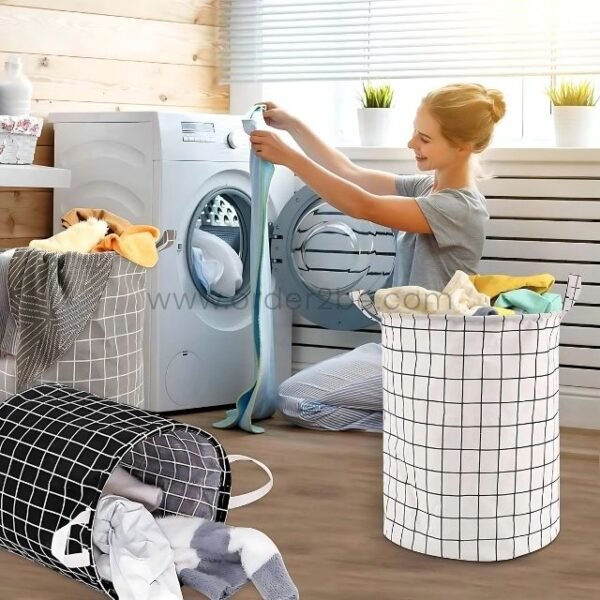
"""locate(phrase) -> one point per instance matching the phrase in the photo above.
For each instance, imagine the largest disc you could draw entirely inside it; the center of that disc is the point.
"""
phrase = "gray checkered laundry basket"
(58, 447)
(471, 431)
(107, 356)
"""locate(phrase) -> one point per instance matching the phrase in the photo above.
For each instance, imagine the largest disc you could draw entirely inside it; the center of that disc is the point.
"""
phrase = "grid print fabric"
(58, 446)
(471, 438)
(471, 451)
(187, 468)
(107, 356)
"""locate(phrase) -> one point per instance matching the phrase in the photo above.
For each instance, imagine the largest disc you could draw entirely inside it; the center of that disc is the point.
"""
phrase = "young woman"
(441, 219)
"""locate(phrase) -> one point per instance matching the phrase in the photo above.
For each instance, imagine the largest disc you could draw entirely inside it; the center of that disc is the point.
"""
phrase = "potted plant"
(378, 121)
(574, 108)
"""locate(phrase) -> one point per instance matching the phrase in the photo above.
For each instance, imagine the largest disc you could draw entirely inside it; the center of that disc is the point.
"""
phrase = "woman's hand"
(270, 147)
(277, 117)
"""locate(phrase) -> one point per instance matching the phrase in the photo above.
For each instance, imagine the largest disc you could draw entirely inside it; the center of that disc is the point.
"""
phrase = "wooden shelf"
(34, 176)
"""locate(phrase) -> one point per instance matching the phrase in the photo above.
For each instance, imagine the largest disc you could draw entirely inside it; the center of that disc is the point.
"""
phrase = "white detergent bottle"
(15, 89)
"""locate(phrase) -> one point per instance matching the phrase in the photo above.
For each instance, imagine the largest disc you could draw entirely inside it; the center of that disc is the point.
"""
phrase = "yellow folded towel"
(81, 237)
(494, 285)
(137, 243)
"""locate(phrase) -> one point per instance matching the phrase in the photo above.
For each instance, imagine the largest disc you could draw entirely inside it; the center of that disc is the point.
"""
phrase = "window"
(311, 56)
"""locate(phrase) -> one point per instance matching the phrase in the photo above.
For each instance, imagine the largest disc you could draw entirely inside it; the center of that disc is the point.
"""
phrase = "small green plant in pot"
(574, 112)
(377, 96)
(377, 119)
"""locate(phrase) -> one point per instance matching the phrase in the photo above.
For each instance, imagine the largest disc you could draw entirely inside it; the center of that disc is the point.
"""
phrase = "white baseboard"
(579, 407)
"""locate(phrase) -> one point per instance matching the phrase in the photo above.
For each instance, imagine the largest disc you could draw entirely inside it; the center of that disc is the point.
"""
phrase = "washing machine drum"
(321, 254)
(218, 246)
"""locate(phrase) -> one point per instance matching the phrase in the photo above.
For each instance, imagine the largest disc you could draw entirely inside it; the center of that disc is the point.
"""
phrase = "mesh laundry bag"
(58, 447)
(471, 431)
(107, 356)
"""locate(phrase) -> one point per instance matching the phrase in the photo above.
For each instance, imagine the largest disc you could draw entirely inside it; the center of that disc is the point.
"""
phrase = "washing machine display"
(218, 246)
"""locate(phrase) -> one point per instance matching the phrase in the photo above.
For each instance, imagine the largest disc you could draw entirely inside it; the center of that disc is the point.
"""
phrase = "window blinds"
(281, 40)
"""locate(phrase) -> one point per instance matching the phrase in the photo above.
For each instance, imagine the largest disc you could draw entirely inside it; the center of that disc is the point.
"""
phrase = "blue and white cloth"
(260, 400)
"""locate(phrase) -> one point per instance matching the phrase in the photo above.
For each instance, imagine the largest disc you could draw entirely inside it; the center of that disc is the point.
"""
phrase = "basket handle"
(250, 497)
(167, 239)
(363, 302)
(572, 291)
(60, 540)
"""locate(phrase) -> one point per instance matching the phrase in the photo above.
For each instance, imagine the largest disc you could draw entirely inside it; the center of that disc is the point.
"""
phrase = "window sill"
(497, 154)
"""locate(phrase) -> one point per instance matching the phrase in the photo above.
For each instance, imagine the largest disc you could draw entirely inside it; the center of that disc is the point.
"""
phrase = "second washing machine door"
(320, 255)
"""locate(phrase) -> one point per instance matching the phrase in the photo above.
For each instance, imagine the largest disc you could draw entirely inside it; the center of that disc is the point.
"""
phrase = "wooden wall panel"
(179, 11)
(61, 33)
(24, 214)
(123, 82)
(99, 55)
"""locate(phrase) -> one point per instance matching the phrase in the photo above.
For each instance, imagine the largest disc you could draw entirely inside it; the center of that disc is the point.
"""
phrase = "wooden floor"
(324, 513)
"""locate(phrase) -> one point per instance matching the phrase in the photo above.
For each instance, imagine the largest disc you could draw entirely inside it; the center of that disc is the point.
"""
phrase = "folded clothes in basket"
(478, 295)
(458, 297)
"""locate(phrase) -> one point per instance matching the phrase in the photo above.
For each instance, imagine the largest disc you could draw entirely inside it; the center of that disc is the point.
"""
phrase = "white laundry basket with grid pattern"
(59, 446)
(471, 431)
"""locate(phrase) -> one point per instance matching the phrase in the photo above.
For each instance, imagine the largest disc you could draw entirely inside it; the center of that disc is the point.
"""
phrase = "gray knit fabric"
(52, 296)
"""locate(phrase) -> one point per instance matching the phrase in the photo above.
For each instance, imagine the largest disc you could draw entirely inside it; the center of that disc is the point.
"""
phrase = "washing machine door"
(218, 246)
(320, 255)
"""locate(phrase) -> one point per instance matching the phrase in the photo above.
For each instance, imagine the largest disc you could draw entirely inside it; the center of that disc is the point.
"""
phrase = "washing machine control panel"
(197, 131)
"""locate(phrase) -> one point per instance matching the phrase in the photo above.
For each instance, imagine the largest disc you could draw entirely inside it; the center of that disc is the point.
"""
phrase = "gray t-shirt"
(457, 218)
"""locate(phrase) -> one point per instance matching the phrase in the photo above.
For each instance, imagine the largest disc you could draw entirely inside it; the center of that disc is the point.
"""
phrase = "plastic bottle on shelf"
(15, 89)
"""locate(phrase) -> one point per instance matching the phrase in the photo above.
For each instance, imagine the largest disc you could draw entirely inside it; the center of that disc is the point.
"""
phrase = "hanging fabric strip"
(260, 400)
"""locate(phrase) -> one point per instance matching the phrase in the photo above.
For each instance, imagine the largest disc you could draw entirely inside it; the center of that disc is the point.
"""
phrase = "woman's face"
(432, 150)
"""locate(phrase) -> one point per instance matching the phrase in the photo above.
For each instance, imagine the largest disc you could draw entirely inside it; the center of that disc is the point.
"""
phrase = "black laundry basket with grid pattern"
(471, 454)
(58, 447)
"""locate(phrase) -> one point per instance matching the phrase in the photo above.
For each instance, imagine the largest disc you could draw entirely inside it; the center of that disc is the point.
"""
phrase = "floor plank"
(324, 513)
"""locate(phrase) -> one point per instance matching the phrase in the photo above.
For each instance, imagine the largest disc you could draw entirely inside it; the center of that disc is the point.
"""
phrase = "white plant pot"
(379, 126)
(574, 125)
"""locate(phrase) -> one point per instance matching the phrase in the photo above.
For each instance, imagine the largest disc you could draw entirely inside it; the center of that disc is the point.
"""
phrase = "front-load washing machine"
(187, 173)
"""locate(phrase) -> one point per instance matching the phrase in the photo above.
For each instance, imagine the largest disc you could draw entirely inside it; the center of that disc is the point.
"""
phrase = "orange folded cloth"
(137, 243)
(116, 224)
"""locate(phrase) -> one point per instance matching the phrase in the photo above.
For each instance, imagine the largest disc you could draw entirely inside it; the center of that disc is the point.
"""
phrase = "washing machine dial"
(235, 139)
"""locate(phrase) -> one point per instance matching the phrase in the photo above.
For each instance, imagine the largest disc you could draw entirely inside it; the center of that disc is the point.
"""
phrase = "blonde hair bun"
(498, 104)
(466, 112)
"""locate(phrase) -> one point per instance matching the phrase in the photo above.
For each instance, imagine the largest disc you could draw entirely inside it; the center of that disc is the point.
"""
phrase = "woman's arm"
(377, 182)
(391, 211)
